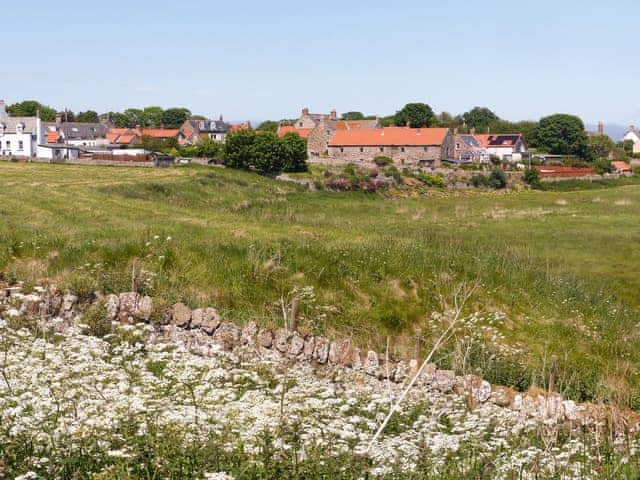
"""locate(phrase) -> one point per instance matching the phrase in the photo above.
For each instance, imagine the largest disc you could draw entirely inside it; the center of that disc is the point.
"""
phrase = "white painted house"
(19, 136)
(634, 136)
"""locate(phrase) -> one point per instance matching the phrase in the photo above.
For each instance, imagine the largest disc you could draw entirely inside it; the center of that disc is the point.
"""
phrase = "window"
(300, 124)
(19, 128)
(341, 149)
(20, 145)
(201, 125)
(8, 145)
(426, 149)
(402, 149)
(361, 149)
(381, 149)
(458, 146)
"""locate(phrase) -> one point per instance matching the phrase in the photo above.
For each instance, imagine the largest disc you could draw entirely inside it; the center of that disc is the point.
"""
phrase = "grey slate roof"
(213, 126)
(10, 124)
(77, 130)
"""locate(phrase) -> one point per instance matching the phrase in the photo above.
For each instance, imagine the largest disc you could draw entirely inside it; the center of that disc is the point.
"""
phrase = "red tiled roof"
(355, 124)
(160, 132)
(389, 136)
(114, 133)
(284, 129)
(240, 126)
(624, 166)
(498, 140)
(53, 136)
(126, 139)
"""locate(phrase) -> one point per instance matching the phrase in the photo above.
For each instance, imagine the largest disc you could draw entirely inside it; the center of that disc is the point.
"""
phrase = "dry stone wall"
(205, 333)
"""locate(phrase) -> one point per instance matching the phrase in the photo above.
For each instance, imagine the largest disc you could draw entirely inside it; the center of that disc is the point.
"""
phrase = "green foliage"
(266, 152)
(430, 180)
(602, 165)
(29, 108)
(416, 115)
(175, 117)
(382, 161)
(480, 118)
(497, 179)
(294, 153)
(562, 134)
(268, 126)
(353, 116)
(238, 149)
(600, 146)
(532, 178)
(89, 116)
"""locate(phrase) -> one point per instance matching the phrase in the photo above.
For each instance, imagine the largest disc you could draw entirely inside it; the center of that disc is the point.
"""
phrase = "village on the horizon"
(330, 139)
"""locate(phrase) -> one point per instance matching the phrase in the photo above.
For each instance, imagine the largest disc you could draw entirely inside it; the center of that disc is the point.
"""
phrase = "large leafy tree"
(175, 117)
(29, 108)
(353, 116)
(89, 116)
(479, 118)
(268, 126)
(152, 116)
(416, 115)
(268, 153)
(600, 146)
(295, 153)
(562, 134)
(238, 148)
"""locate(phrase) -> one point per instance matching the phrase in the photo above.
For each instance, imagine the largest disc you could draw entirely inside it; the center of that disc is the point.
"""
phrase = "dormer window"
(19, 128)
(2, 127)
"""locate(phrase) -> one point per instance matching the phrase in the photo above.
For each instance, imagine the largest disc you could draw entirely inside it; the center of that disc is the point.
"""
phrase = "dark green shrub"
(497, 179)
(382, 161)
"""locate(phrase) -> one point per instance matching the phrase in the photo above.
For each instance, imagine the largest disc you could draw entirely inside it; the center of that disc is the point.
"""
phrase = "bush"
(382, 161)
(480, 181)
(430, 180)
(532, 178)
(497, 179)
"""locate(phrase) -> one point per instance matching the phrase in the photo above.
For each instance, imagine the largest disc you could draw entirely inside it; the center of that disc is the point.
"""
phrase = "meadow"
(555, 271)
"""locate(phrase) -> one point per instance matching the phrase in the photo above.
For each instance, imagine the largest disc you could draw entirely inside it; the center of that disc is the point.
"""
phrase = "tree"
(268, 153)
(268, 126)
(295, 153)
(133, 117)
(87, 117)
(29, 108)
(353, 116)
(209, 149)
(152, 116)
(238, 148)
(416, 115)
(175, 117)
(562, 134)
(497, 178)
(600, 146)
(525, 128)
(480, 118)
(532, 178)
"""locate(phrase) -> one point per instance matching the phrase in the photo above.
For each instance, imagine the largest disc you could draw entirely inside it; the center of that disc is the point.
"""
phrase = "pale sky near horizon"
(266, 60)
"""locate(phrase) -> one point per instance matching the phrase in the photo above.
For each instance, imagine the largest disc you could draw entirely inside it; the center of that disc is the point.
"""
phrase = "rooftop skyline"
(258, 60)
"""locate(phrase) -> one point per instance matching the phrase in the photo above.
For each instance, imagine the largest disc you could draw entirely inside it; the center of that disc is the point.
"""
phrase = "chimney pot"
(305, 111)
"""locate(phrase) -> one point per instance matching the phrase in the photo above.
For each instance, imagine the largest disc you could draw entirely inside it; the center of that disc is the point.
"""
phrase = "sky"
(258, 60)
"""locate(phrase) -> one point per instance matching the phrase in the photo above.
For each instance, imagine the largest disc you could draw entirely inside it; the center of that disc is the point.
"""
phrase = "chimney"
(601, 128)
(305, 111)
(333, 115)
(488, 129)
(472, 131)
(632, 128)
(3, 110)
(59, 118)
(37, 113)
(455, 131)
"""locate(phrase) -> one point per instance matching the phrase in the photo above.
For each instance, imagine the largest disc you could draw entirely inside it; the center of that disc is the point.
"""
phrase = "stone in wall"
(321, 350)
(144, 308)
(309, 347)
(128, 302)
(180, 315)
(265, 338)
(249, 334)
(372, 364)
(281, 340)
(296, 345)
(112, 306)
(227, 336)
(206, 319)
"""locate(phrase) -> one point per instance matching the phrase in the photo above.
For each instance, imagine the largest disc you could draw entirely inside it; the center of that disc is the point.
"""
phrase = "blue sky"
(266, 60)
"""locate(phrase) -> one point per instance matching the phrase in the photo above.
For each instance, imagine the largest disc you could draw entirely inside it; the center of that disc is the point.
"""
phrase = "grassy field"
(557, 271)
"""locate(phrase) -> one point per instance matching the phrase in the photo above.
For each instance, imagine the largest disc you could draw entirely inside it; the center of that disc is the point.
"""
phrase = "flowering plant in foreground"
(123, 407)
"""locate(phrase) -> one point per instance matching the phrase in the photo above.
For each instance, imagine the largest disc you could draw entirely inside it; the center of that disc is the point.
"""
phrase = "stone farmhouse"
(469, 150)
(193, 132)
(319, 128)
(404, 145)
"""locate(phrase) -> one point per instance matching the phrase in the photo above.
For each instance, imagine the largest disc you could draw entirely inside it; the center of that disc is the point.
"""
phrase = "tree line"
(148, 117)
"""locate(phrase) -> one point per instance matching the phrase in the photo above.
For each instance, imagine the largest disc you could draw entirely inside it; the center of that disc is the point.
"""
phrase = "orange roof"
(624, 166)
(126, 139)
(53, 137)
(240, 126)
(114, 133)
(498, 140)
(284, 129)
(389, 136)
(160, 132)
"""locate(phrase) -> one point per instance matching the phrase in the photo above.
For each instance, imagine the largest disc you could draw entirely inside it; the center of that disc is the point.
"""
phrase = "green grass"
(562, 266)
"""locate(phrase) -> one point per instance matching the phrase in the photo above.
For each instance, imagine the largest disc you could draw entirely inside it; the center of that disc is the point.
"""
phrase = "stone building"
(405, 146)
(469, 150)
(318, 129)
